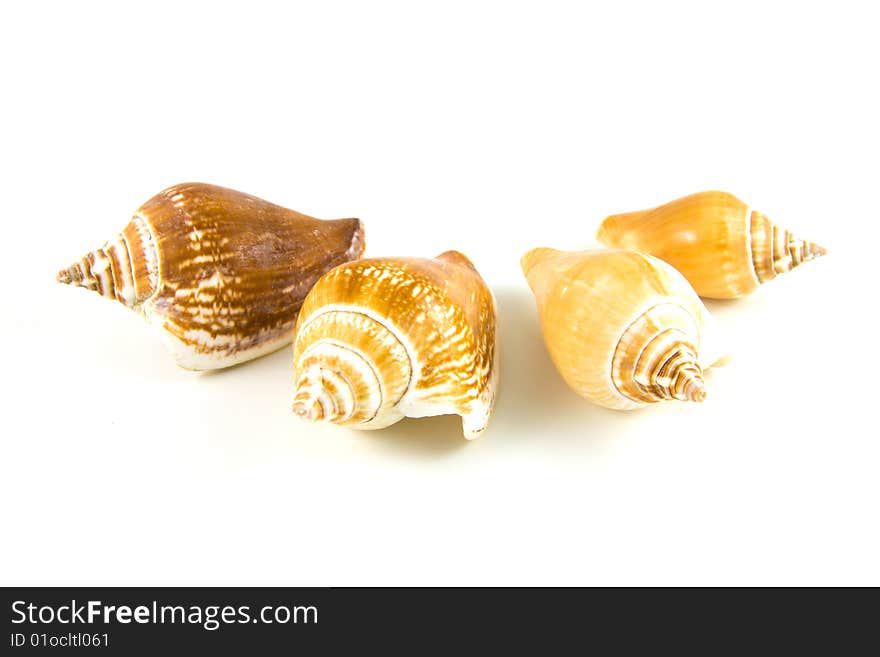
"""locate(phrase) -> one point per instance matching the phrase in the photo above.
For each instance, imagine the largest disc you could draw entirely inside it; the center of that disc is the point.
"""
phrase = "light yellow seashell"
(723, 247)
(220, 273)
(385, 338)
(624, 329)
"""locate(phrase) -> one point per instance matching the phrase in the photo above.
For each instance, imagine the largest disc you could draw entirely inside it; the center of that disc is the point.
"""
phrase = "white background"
(489, 128)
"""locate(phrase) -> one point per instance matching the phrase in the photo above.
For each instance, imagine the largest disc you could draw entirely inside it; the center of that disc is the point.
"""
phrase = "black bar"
(317, 621)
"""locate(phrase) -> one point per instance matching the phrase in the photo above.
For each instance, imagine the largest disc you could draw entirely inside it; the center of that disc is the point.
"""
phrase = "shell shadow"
(427, 437)
(534, 402)
(422, 437)
(534, 406)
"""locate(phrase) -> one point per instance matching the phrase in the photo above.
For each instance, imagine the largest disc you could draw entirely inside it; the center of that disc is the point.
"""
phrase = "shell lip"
(358, 241)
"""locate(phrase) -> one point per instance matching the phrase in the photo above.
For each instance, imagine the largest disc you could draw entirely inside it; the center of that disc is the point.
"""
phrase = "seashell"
(222, 274)
(385, 338)
(723, 247)
(624, 329)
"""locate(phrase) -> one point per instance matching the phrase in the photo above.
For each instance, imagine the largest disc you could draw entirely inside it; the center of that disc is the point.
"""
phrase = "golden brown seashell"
(222, 274)
(385, 338)
(624, 329)
(723, 247)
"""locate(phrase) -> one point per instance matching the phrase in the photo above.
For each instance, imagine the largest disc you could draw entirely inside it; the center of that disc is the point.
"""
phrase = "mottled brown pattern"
(229, 271)
(440, 309)
(451, 296)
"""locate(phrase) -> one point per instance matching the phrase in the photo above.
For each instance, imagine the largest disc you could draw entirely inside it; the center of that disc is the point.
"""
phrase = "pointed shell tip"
(358, 241)
(532, 257)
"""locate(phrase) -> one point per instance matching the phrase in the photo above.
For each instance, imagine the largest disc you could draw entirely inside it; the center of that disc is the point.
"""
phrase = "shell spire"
(353, 371)
(123, 269)
(668, 368)
(326, 395)
(221, 274)
(80, 273)
(776, 250)
(723, 247)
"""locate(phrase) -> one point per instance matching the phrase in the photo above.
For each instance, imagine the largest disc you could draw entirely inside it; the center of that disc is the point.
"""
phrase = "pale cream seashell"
(721, 246)
(624, 329)
(385, 338)
(220, 273)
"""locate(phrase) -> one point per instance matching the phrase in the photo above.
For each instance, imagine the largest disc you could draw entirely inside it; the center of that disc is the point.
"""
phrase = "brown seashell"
(624, 329)
(221, 273)
(385, 338)
(724, 248)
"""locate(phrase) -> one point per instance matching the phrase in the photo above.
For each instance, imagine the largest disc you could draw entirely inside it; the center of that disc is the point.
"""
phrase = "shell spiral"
(353, 370)
(723, 247)
(623, 329)
(125, 268)
(221, 274)
(385, 338)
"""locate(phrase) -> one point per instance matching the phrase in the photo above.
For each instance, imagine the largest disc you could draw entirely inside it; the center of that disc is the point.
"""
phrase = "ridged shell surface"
(623, 329)
(221, 273)
(723, 247)
(385, 338)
